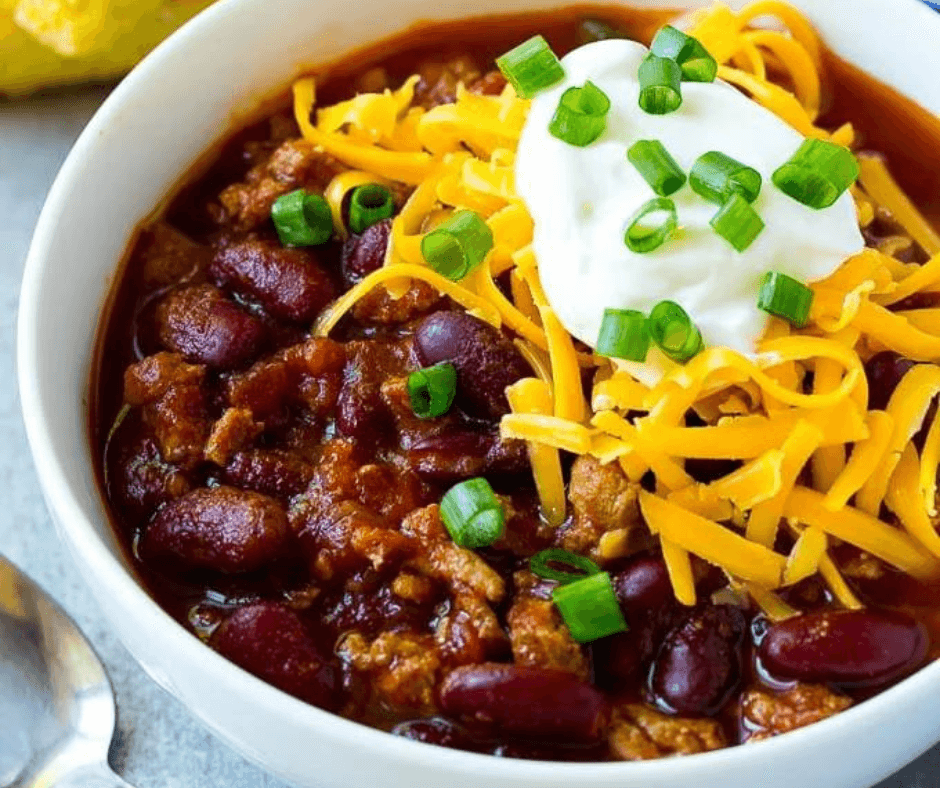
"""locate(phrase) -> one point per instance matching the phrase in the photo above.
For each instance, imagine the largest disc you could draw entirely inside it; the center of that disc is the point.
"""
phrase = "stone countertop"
(159, 744)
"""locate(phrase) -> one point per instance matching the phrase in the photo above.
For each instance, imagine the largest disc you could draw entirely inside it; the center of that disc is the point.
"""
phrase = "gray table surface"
(159, 745)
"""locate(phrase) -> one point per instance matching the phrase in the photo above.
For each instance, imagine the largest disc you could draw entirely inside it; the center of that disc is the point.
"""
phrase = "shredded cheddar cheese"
(713, 542)
(679, 566)
(904, 500)
(770, 603)
(799, 446)
(534, 396)
(805, 556)
(862, 530)
(815, 459)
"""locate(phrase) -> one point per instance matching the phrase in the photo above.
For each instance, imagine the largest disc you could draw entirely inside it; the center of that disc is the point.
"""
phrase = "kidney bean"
(699, 663)
(206, 328)
(439, 731)
(361, 412)
(370, 607)
(650, 608)
(138, 479)
(218, 528)
(269, 640)
(486, 361)
(850, 648)
(365, 253)
(884, 372)
(526, 701)
(273, 472)
(288, 283)
(462, 454)
(643, 586)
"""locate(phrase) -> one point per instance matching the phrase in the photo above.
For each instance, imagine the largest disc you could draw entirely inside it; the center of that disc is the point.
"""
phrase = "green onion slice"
(458, 245)
(590, 608)
(783, 296)
(472, 514)
(581, 115)
(738, 223)
(624, 334)
(716, 177)
(657, 167)
(531, 67)
(302, 219)
(660, 85)
(432, 390)
(368, 205)
(818, 174)
(652, 225)
(695, 61)
(674, 333)
(539, 564)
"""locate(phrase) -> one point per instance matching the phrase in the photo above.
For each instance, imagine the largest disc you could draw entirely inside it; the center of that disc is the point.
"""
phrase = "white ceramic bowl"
(178, 102)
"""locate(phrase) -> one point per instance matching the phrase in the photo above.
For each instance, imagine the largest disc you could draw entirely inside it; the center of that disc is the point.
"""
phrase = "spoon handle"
(97, 776)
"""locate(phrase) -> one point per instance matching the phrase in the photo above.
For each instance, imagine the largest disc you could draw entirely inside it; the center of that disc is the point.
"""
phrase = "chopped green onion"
(539, 565)
(624, 334)
(432, 390)
(590, 30)
(738, 223)
(581, 116)
(531, 67)
(651, 226)
(674, 332)
(660, 85)
(368, 205)
(785, 297)
(302, 219)
(818, 174)
(696, 62)
(590, 608)
(458, 245)
(716, 177)
(472, 514)
(657, 167)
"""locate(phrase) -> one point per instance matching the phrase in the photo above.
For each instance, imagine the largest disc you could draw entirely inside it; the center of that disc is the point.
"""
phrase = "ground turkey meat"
(638, 733)
(765, 714)
(604, 501)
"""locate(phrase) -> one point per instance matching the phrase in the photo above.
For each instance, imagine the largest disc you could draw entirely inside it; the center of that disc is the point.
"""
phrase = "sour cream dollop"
(581, 200)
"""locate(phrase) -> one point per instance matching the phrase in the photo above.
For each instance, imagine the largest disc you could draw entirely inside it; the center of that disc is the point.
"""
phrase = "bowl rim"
(87, 545)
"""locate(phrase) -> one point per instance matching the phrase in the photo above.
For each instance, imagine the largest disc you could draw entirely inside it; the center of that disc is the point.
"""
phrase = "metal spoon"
(56, 704)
